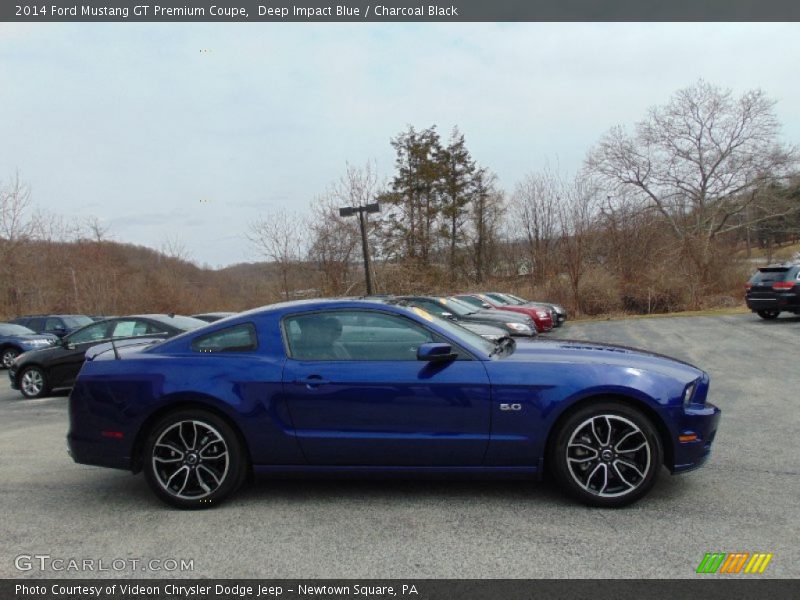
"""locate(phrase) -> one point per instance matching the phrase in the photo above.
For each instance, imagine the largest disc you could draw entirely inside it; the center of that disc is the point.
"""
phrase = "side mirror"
(435, 352)
(448, 315)
(487, 305)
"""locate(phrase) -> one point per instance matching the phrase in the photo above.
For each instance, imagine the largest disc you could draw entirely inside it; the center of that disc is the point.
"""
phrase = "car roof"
(50, 315)
(322, 303)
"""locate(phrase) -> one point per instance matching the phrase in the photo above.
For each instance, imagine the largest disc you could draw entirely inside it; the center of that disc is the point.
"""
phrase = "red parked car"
(541, 315)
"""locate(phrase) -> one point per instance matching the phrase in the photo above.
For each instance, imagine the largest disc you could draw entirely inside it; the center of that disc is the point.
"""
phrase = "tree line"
(666, 214)
(654, 220)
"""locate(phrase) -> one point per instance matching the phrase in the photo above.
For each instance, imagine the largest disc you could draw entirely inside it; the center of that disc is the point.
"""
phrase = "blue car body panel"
(27, 341)
(379, 416)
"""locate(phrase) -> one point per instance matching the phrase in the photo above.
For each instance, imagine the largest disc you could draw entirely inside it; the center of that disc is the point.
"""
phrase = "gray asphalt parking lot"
(744, 499)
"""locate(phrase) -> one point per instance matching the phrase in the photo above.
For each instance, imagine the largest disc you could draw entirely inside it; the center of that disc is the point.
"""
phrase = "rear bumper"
(97, 453)
(701, 421)
(789, 301)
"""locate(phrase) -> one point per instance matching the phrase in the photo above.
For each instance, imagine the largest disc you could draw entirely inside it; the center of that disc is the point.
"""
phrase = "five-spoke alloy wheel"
(8, 356)
(33, 383)
(193, 459)
(607, 454)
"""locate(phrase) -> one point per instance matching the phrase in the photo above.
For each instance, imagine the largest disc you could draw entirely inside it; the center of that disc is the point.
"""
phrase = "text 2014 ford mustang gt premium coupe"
(370, 386)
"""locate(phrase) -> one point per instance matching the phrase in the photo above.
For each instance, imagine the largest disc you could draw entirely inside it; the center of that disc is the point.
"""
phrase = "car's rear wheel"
(33, 383)
(769, 314)
(193, 459)
(606, 454)
(8, 356)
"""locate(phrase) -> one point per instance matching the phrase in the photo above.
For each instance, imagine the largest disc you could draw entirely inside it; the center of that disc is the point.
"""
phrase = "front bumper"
(698, 421)
(12, 377)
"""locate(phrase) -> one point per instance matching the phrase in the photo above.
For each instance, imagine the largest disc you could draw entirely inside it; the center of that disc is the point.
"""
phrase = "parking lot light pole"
(349, 211)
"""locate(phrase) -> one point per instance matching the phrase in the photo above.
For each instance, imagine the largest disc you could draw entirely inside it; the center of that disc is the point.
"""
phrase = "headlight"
(518, 327)
(688, 393)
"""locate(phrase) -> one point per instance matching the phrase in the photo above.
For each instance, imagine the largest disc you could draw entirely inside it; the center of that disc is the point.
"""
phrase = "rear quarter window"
(775, 274)
(238, 338)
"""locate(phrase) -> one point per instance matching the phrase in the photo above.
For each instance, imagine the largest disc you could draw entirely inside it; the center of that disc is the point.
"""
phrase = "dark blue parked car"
(369, 386)
(16, 339)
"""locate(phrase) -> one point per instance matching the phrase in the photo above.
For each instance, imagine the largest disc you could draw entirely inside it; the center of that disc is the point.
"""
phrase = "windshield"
(516, 299)
(76, 321)
(179, 321)
(458, 333)
(455, 305)
(512, 299)
(499, 298)
(11, 329)
(471, 301)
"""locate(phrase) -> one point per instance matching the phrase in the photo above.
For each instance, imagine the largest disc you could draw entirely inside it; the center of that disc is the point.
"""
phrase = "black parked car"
(773, 290)
(16, 339)
(213, 316)
(461, 313)
(59, 325)
(38, 372)
(558, 311)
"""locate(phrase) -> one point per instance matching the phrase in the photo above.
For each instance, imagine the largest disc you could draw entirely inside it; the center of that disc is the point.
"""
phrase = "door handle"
(312, 381)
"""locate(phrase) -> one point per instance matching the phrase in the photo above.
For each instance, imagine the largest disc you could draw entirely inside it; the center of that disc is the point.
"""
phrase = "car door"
(68, 358)
(357, 394)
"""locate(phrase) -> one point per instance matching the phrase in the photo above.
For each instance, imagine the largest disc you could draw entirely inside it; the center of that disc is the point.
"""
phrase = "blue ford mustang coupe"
(371, 386)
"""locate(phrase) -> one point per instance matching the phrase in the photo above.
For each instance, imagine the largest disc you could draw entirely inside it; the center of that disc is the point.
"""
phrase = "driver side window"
(354, 335)
(91, 333)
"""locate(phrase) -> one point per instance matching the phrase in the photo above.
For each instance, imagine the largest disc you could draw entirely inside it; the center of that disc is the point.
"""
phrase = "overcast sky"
(165, 130)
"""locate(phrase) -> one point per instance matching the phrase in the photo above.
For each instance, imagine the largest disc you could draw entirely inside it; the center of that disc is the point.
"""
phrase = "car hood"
(27, 337)
(41, 355)
(582, 352)
(498, 317)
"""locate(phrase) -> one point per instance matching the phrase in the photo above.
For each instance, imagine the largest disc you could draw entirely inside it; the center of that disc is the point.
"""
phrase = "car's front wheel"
(193, 459)
(606, 454)
(769, 314)
(33, 383)
(8, 356)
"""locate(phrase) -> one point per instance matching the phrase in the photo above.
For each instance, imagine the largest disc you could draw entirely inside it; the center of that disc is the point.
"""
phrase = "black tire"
(617, 475)
(7, 356)
(209, 478)
(769, 315)
(32, 382)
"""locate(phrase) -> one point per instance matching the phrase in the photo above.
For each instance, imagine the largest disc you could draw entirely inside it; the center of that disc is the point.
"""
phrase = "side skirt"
(526, 472)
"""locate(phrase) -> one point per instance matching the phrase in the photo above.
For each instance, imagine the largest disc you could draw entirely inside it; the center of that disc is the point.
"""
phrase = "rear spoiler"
(127, 345)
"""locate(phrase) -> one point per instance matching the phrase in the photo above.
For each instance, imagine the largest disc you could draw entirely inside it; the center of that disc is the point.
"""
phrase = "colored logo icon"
(734, 562)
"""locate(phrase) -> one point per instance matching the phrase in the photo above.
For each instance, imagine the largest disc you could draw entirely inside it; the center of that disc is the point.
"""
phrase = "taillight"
(783, 285)
(748, 287)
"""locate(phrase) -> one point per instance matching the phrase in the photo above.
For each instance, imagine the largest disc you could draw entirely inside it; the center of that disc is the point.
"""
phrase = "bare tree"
(279, 238)
(173, 247)
(698, 161)
(534, 207)
(357, 187)
(334, 244)
(486, 215)
(16, 230)
(576, 214)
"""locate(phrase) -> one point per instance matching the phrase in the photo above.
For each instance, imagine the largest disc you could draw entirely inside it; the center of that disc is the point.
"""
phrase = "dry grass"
(710, 312)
